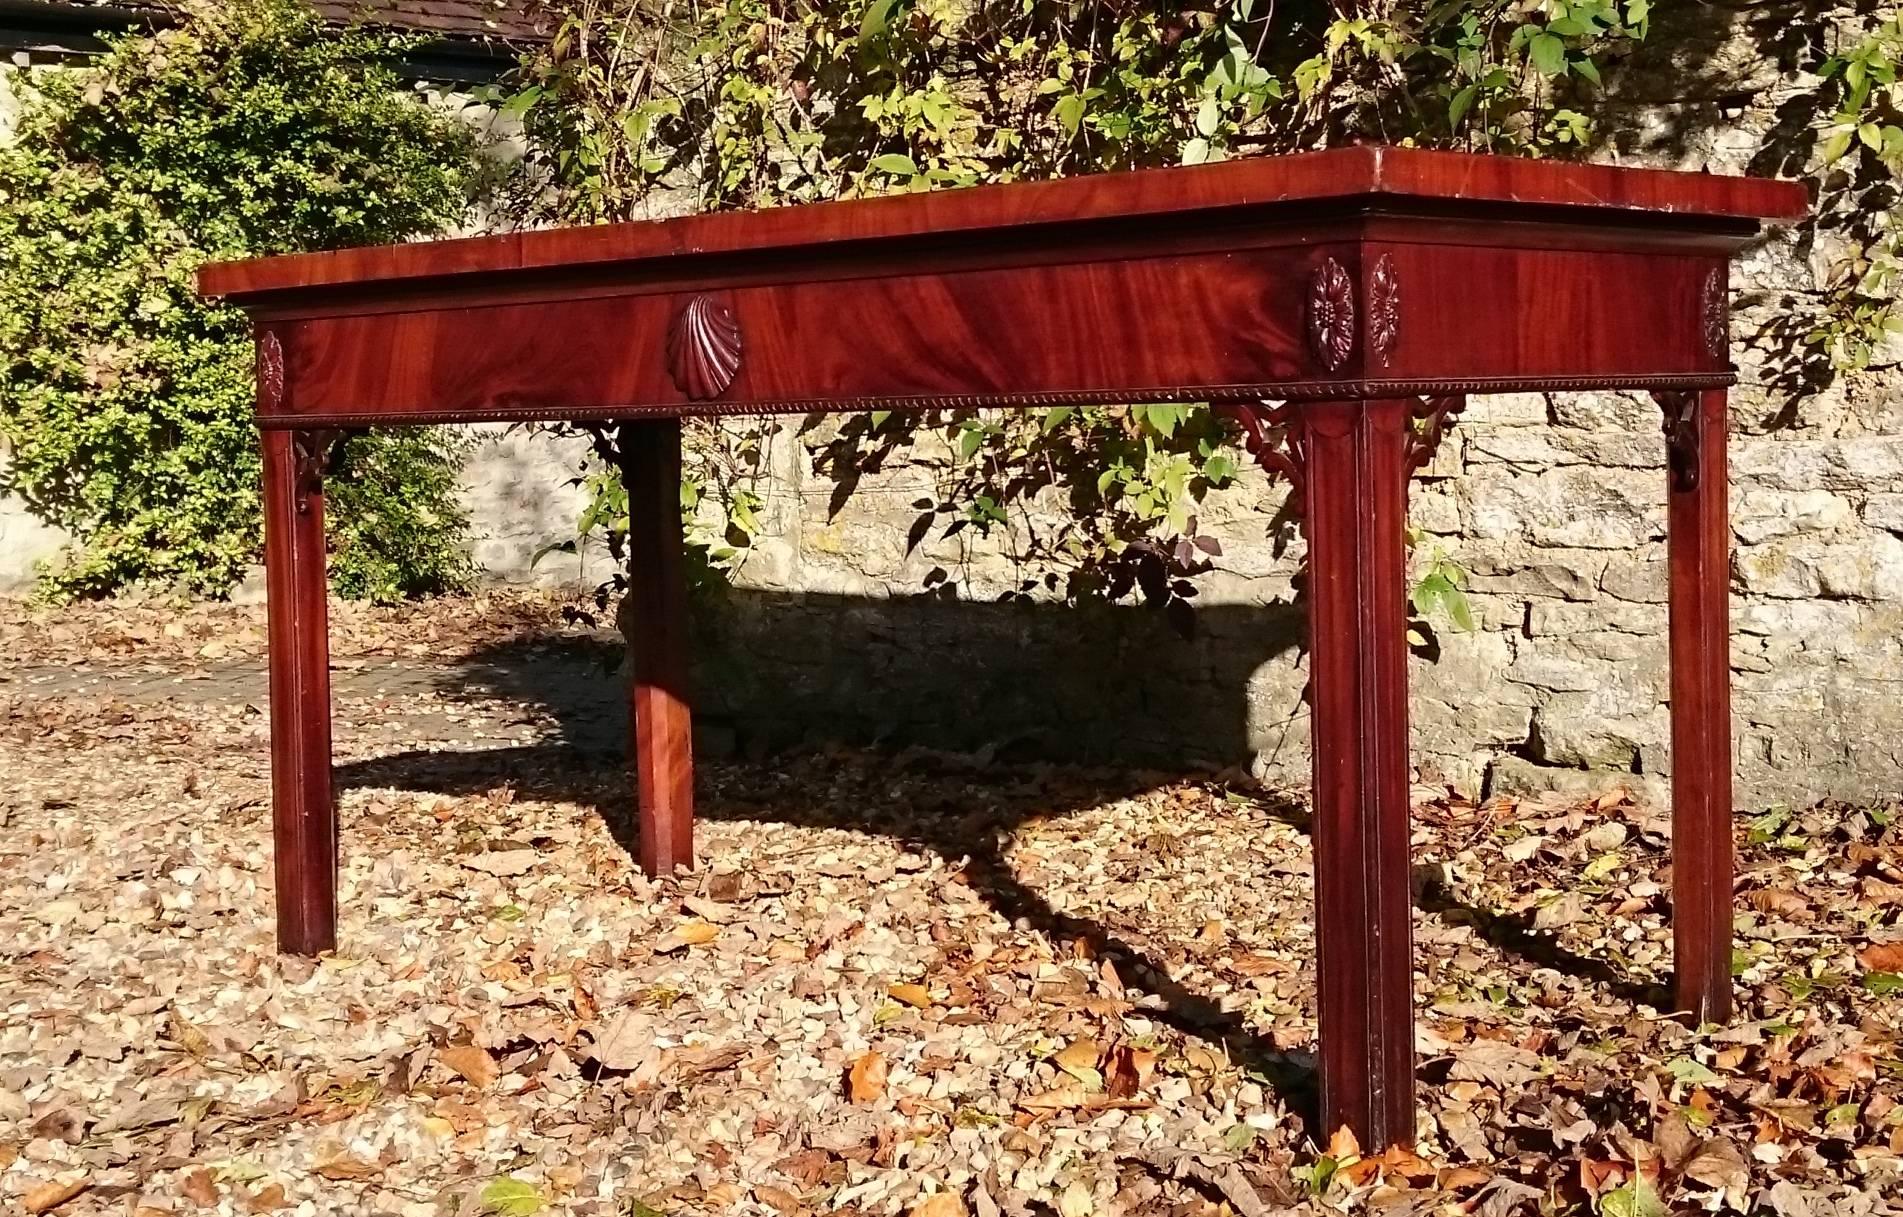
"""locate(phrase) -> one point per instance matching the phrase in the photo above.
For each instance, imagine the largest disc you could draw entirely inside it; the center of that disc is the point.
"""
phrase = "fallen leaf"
(778, 1199)
(266, 1199)
(911, 995)
(345, 1168)
(691, 933)
(1778, 902)
(503, 863)
(1882, 957)
(473, 1063)
(508, 1196)
(939, 1204)
(866, 1079)
(199, 1188)
(53, 1193)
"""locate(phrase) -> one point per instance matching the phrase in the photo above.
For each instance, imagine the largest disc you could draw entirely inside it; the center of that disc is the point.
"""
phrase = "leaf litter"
(900, 982)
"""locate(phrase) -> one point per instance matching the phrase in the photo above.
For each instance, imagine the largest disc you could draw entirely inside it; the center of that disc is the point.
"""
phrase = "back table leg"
(660, 719)
(1700, 544)
(303, 817)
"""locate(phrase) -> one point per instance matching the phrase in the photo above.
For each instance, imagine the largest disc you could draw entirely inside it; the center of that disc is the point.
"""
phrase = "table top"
(1326, 185)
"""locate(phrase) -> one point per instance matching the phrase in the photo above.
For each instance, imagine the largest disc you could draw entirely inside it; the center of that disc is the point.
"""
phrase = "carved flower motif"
(1331, 314)
(270, 372)
(1715, 315)
(1384, 309)
(703, 349)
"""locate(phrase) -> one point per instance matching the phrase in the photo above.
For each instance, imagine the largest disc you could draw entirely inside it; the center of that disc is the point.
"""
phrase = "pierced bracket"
(1683, 436)
(316, 453)
(1432, 417)
(1273, 436)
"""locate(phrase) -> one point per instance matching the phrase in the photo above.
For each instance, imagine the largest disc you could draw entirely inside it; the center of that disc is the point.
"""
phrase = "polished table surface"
(1337, 305)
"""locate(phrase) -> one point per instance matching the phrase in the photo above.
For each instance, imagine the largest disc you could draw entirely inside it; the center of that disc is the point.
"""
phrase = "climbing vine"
(125, 400)
(639, 108)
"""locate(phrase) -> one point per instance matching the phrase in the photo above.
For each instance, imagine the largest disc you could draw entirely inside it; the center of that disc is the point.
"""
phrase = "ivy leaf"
(1685, 1069)
(1636, 1198)
(511, 1197)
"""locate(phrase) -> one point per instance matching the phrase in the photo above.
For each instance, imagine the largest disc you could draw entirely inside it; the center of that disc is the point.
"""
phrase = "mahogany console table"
(1338, 304)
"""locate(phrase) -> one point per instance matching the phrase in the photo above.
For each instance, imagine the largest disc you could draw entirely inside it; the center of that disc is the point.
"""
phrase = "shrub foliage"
(246, 129)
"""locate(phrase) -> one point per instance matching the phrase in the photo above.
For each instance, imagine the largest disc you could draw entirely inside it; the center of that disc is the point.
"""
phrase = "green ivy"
(125, 400)
(640, 104)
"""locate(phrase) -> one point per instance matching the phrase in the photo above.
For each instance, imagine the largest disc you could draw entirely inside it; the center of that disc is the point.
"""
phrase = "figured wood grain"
(1391, 176)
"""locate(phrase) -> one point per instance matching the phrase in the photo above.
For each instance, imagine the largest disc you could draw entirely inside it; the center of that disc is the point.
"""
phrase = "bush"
(248, 129)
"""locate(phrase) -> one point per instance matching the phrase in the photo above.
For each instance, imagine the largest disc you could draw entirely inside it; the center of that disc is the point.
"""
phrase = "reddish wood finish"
(303, 815)
(1700, 544)
(1308, 181)
(1356, 462)
(1347, 283)
(660, 720)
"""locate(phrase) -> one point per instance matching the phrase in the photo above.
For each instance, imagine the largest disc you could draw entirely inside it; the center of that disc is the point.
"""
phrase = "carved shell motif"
(1384, 310)
(1331, 314)
(1714, 314)
(703, 349)
(270, 372)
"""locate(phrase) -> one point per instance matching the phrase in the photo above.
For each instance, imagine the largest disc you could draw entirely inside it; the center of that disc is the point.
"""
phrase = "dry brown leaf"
(1130, 1070)
(474, 1064)
(345, 1168)
(627, 1043)
(199, 1188)
(266, 1199)
(1882, 957)
(866, 1078)
(1344, 1144)
(778, 1199)
(911, 995)
(1779, 902)
(1079, 1054)
(939, 1204)
(691, 933)
(48, 1196)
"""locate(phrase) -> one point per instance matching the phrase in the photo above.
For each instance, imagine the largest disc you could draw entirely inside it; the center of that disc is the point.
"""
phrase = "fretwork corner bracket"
(316, 452)
(1682, 437)
(1274, 437)
(1433, 416)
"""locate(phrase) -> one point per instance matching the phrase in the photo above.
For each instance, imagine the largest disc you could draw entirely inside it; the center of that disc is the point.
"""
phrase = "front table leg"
(1699, 533)
(303, 817)
(1356, 458)
(660, 719)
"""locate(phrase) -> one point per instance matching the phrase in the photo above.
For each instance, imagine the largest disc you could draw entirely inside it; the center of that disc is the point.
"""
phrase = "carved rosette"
(703, 348)
(1384, 310)
(1432, 417)
(1715, 315)
(270, 372)
(1683, 436)
(1331, 314)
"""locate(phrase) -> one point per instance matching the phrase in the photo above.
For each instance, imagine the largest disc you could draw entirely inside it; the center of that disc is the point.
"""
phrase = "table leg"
(303, 816)
(1355, 459)
(661, 720)
(1700, 543)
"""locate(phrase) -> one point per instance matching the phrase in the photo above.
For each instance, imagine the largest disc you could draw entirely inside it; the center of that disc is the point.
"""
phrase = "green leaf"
(1548, 54)
(508, 1196)
(1208, 116)
(1069, 111)
(1883, 983)
(896, 163)
(1462, 102)
(1196, 151)
(1690, 1072)
(1635, 1198)
(873, 24)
